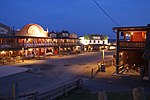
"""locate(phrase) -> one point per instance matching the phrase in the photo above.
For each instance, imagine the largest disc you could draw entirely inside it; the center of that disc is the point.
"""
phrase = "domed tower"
(34, 30)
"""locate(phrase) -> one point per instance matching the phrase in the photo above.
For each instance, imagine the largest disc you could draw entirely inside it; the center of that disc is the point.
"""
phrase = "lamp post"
(102, 69)
(103, 55)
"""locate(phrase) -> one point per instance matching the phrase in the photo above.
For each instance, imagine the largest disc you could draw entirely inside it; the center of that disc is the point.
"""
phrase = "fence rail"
(108, 62)
(62, 90)
(99, 67)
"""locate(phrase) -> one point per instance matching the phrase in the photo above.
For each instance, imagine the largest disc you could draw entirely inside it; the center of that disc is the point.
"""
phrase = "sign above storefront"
(97, 37)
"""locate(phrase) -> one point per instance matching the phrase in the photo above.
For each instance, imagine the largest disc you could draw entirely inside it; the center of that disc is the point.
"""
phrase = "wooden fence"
(99, 67)
(59, 91)
(47, 95)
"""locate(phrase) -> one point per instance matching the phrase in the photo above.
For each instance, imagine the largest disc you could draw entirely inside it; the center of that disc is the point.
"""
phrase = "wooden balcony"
(11, 46)
(32, 45)
(131, 45)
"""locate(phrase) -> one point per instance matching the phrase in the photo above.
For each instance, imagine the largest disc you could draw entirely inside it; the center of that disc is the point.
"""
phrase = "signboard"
(96, 37)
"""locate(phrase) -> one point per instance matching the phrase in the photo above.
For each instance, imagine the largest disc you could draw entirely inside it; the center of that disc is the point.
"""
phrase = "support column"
(117, 53)
(44, 48)
(124, 34)
(26, 53)
(45, 51)
(34, 49)
(149, 70)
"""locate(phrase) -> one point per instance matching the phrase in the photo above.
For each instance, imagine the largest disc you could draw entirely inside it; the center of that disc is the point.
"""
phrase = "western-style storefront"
(32, 42)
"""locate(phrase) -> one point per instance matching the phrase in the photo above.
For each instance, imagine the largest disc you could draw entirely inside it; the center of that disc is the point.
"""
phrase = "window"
(90, 41)
(94, 41)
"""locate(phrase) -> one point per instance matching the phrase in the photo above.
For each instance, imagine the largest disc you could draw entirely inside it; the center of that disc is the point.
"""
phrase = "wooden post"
(65, 90)
(98, 66)
(103, 55)
(23, 54)
(92, 73)
(14, 91)
(102, 95)
(138, 94)
(149, 70)
(117, 53)
(59, 51)
(44, 49)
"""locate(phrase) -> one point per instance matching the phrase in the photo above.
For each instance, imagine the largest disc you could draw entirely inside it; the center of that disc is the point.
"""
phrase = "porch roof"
(133, 28)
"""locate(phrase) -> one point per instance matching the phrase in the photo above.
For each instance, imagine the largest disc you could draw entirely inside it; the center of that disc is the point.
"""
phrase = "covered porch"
(130, 48)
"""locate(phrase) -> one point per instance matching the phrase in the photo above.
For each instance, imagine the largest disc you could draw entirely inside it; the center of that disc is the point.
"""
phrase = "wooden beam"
(117, 52)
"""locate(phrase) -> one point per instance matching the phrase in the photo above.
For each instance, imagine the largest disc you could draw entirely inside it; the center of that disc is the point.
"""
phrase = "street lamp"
(103, 55)
(102, 68)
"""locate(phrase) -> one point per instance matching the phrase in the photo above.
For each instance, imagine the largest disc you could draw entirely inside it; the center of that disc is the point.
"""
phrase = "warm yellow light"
(29, 39)
(103, 55)
(11, 52)
(131, 33)
(112, 47)
(3, 52)
(65, 48)
(127, 34)
(30, 49)
(121, 53)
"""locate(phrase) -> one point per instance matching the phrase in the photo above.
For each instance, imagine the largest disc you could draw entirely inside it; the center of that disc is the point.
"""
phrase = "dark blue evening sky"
(78, 16)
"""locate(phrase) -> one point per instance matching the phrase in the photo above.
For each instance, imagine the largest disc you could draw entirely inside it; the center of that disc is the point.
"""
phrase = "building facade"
(93, 42)
(33, 41)
(131, 47)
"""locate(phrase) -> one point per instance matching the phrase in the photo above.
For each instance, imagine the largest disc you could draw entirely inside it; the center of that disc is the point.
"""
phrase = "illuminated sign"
(97, 37)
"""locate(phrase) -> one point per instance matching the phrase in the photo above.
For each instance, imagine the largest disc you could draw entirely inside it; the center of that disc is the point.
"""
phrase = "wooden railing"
(99, 68)
(10, 45)
(129, 44)
(13, 45)
(49, 94)
(108, 62)
(62, 90)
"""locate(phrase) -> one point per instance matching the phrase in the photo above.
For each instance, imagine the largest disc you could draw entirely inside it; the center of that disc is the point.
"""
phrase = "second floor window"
(94, 41)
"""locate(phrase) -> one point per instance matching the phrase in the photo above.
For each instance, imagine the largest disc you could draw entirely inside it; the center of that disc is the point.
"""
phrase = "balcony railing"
(10, 46)
(13, 45)
(131, 45)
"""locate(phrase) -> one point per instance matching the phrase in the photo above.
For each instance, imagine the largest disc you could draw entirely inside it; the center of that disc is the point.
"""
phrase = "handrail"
(129, 44)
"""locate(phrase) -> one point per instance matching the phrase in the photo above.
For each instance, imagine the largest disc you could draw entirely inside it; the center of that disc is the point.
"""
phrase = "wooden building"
(131, 47)
(93, 42)
(32, 41)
